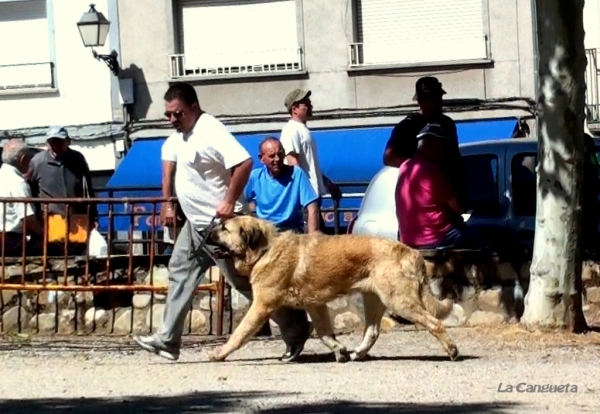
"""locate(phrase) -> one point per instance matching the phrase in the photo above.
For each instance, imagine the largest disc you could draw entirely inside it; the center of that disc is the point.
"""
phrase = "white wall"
(99, 154)
(591, 23)
(83, 82)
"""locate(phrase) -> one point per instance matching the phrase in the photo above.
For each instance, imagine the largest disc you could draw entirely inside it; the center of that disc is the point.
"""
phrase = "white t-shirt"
(296, 137)
(203, 160)
(14, 185)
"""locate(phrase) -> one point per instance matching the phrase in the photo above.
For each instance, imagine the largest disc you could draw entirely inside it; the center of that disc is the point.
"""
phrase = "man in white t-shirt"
(300, 147)
(18, 216)
(209, 169)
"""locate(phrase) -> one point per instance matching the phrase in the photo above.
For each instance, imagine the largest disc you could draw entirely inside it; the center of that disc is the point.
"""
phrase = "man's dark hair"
(182, 91)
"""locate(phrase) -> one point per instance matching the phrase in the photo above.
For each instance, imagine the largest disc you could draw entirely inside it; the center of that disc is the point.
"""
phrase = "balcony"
(26, 78)
(249, 63)
(418, 53)
(592, 99)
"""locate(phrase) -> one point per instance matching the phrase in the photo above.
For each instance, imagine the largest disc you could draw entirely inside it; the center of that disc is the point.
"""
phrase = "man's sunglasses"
(176, 114)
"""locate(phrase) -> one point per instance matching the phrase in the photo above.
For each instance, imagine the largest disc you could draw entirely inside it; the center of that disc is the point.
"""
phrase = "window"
(409, 32)
(482, 176)
(523, 179)
(26, 63)
(235, 37)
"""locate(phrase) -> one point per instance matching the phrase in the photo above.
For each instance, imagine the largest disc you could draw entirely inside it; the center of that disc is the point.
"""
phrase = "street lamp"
(93, 28)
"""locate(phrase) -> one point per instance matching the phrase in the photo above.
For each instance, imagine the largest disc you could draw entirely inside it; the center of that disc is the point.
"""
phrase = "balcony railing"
(417, 52)
(592, 99)
(273, 61)
(26, 76)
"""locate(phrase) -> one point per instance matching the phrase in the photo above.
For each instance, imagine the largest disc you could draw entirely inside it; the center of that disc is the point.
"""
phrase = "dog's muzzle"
(209, 246)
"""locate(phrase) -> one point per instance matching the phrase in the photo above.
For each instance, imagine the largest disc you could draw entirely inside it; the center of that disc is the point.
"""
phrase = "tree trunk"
(554, 297)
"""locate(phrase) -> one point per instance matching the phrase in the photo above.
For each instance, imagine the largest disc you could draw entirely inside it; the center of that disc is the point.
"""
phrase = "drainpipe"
(536, 57)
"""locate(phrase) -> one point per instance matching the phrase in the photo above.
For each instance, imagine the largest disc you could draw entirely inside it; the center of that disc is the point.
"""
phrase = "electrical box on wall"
(126, 96)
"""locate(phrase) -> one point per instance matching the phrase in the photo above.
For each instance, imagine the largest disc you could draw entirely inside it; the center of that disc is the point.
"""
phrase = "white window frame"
(357, 63)
(43, 71)
(292, 66)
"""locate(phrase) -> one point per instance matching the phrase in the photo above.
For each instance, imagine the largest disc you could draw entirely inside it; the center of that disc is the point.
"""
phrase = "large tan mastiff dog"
(307, 271)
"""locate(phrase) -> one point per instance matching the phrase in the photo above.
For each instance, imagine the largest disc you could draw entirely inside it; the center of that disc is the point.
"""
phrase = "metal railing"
(592, 98)
(36, 270)
(58, 286)
(409, 53)
(26, 76)
(234, 64)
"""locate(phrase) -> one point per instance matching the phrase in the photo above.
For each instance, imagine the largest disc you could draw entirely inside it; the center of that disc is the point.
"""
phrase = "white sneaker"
(151, 344)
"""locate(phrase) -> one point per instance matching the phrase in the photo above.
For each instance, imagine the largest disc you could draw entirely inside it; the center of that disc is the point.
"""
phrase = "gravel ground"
(407, 372)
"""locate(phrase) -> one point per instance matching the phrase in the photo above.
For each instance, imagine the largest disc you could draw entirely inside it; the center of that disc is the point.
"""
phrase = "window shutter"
(25, 22)
(238, 35)
(418, 31)
(24, 45)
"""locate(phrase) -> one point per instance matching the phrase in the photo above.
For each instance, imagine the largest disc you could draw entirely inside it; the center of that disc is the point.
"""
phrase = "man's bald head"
(15, 152)
(271, 154)
(271, 143)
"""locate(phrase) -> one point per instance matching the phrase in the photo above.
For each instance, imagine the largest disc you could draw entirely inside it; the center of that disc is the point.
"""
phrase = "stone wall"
(483, 295)
(114, 312)
(488, 300)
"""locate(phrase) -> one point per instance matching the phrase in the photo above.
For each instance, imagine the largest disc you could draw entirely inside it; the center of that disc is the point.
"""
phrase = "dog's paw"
(355, 356)
(453, 353)
(215, 356)
(342, 355)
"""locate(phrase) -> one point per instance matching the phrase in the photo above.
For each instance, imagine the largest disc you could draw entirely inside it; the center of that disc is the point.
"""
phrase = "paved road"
(408, 372)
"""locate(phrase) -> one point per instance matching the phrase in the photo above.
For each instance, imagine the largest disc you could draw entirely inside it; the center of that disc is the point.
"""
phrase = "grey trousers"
(184, 277)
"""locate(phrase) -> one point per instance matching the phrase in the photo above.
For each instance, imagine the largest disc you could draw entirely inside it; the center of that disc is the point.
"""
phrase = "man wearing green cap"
(300, 147)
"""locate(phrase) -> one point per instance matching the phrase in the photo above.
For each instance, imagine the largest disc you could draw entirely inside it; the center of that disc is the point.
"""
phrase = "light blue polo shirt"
(282, 199)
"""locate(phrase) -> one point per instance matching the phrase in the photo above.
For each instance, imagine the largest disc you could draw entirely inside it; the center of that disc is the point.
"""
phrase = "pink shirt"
(422, 195)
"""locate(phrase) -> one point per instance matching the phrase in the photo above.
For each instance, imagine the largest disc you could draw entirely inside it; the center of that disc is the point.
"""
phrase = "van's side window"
(523, 179)
(482, 175)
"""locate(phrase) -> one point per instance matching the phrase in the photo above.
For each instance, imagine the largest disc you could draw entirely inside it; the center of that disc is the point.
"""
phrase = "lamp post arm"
(110, 60)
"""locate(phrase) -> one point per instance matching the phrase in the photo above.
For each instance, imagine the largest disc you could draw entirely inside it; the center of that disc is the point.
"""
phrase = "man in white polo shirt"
(209, 169)
(15, 163)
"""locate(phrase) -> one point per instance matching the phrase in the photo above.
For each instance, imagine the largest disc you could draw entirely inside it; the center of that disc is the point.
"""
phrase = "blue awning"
(141, 167)
(348, 154)
(139, 174)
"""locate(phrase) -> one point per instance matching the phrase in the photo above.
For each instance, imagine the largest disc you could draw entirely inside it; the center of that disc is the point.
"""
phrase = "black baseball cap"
(428, 86)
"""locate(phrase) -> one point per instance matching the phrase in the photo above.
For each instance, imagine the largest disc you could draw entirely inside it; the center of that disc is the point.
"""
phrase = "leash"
(196, 251)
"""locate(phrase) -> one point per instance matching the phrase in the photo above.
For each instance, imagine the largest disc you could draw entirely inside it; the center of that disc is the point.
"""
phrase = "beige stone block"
(490, 300)
(593, 294)
(483, 318)
(346, 322)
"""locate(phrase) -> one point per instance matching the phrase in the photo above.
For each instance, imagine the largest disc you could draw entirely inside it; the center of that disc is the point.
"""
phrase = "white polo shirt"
(203, 159)
(296, 137)
(13, 185)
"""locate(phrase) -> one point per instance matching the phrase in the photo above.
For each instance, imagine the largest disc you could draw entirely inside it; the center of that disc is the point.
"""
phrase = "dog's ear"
(253, 237)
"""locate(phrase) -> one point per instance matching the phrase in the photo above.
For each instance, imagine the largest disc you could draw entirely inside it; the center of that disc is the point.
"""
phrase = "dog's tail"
(439, 309)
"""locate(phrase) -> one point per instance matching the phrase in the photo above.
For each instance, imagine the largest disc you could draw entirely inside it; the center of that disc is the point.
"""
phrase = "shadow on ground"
(221, 402)
(322, 358)
(96, 344)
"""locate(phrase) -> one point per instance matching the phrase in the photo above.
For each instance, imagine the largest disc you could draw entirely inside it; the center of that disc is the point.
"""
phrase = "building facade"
(360, 58)
(48, 77)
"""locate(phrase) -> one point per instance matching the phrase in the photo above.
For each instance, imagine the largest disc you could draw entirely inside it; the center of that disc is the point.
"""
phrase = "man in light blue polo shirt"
(281, 192)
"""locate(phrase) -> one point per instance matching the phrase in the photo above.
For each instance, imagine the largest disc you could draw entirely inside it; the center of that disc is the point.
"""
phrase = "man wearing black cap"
(428, 94)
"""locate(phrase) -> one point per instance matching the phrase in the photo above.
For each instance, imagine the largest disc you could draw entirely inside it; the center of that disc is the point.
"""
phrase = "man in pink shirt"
(427, 205)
